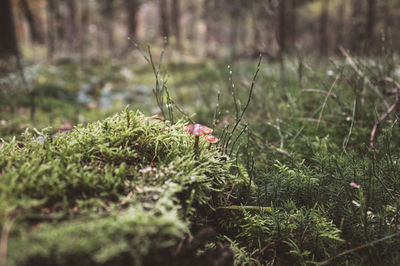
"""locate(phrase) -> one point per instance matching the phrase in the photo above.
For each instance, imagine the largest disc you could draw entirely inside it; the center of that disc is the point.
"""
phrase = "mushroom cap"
(197, 129)
(211, 138)
(67, 126)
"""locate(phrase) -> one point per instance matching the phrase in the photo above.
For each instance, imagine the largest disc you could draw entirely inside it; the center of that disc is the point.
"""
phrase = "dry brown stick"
(230, 191)
(357, 248)
(268, 245)
(4, 240)
(386, 114)
(326, 99)
(353, 64)
(319, 91)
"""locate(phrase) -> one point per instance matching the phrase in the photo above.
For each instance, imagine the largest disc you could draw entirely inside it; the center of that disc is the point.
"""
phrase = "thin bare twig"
(326, 99)
(268, 245)
(351, 62)
(4, 239)
(386, 114)
(231, 190)
(310, 119)
(358, 248)
(346, 140)
(319, 91)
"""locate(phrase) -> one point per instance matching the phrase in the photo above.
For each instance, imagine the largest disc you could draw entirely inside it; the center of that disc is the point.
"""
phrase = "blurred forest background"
(66, 57)
(212, 28)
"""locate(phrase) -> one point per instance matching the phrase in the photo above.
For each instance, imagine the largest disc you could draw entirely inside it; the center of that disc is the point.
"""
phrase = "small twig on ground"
(267, 246)
(386, 114)
(351, 62)
(230, 191)
(295, 137)
(310, 119)
(358, 248)
(4, 240)
(241, 207)
(326, 99)
(346, 140)
(320, 91)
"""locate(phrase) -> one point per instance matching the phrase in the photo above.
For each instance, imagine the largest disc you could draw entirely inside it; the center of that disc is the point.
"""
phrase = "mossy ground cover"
(297, 182)
(115, 192)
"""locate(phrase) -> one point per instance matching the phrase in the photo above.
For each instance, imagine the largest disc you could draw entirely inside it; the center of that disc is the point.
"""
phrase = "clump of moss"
(113, 191)
(133, 237)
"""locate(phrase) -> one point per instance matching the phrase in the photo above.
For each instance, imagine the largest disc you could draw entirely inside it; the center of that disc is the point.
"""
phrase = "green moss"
(129, 238)
(123, 188)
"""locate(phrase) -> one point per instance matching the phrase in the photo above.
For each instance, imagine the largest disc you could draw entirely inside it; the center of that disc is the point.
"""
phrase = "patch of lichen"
(92, 195)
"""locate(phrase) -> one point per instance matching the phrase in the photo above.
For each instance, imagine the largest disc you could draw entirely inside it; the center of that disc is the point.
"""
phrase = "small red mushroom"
(211, 139)
(197, 130)
(66, 127)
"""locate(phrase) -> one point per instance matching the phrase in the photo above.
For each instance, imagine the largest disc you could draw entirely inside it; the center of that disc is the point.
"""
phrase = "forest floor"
(306, 170)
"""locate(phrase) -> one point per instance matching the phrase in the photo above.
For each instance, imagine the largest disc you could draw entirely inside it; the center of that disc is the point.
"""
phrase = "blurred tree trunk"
(282, 26)
(323, 25)
(164, 26)
(58, 20)
(9, 47)
(340, 18)
(217, 31)
(83, 31)
(51, 34)
(357, 32)
(282, 37)
(209, 20)
(193, 16)
(261, 16)
(176, 22)
(243, 28)
(132, 7)
(388, 20)
(8, 41)
(292, 20)
(235, 20)
(34, 28)
(370, 23)
(72, 26)
(256, 35)
(108, 13)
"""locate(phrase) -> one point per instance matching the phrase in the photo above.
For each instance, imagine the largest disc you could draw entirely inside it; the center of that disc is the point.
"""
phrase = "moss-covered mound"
(117, 192)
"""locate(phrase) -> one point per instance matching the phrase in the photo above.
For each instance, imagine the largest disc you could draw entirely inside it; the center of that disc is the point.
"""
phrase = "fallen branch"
(4, 240)
(270, 244)
(357, 248)
(326, 99)
(320, 91)
(353, 64)
(230, 191)
(386, 114)
(247, 208)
